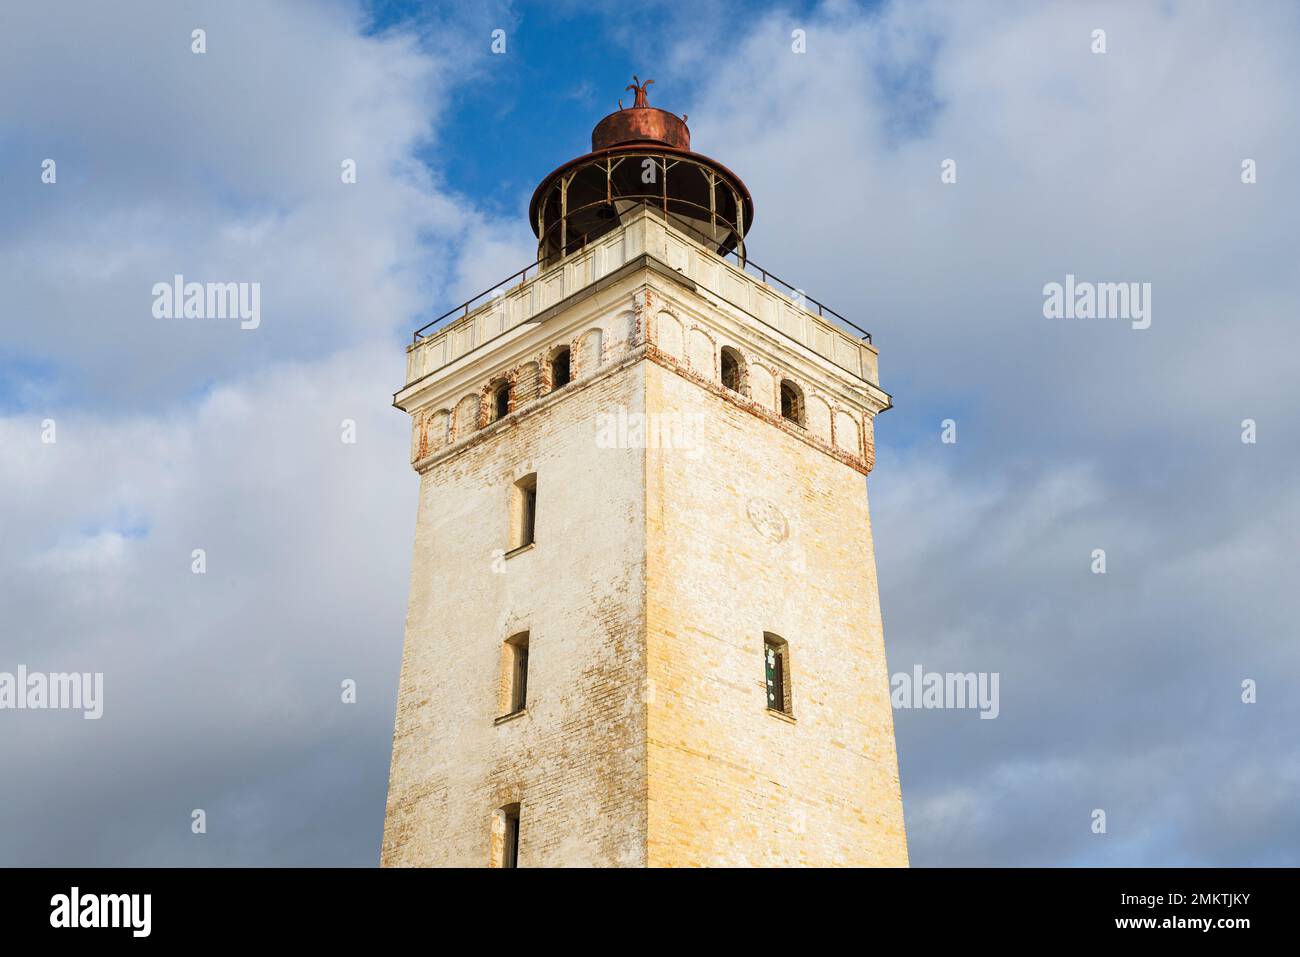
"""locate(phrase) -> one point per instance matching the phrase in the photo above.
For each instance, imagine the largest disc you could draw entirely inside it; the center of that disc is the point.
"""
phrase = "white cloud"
(1072, 436)
(175, 436)
(222, 690)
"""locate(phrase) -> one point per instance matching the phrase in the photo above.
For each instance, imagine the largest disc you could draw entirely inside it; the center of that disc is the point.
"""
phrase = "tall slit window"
(776, 671)
(514, 668)
(505, 850)
(523, 512)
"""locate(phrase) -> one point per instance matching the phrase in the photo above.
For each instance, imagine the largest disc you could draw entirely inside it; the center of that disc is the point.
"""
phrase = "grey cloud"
(1118, 691)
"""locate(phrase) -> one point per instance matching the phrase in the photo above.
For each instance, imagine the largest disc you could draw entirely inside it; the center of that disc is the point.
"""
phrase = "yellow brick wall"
(576, 760)
(729, 783)
(654, 576)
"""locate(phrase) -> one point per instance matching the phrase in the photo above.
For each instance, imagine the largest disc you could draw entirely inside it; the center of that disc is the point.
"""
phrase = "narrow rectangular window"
(505, 837)
(523, 512)
(530, 514)
(517, 665)
(776, 666)
(512, 838)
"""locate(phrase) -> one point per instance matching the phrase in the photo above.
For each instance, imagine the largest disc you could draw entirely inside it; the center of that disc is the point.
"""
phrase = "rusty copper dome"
(640, 156)
(648, 125)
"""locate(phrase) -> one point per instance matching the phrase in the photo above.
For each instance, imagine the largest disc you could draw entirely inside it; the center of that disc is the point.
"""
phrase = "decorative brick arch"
(419, 436)
(817, 415)
(527, 380)
(869, 440)
(465, 417)
(625, 331)
(433, 431)
(701, 353)
(670, 335)
(588, 352)
(763, 380)
(845, 433)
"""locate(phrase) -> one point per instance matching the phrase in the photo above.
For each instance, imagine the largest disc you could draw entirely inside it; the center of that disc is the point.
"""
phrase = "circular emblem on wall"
(767, 519)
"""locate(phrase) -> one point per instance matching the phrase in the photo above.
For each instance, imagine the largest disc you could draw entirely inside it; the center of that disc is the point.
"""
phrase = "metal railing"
(463, 308)
(802, 297)
(744, 263)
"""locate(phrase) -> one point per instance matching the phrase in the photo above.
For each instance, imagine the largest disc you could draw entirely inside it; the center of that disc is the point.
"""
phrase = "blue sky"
(1119, 691)
(566, 63)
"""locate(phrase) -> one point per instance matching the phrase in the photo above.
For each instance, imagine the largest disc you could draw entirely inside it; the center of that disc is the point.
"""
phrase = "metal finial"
(640, 89)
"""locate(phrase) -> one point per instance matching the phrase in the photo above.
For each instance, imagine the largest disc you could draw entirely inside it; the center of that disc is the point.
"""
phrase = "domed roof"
(641, 123)
(588, 195)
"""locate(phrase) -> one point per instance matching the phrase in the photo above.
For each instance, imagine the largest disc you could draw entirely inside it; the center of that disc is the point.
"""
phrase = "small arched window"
(560, 373)
(732, 366)
(500, 400)
(792, 402)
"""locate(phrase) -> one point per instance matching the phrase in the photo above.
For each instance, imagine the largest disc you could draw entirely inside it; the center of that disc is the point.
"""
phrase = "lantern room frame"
(581, 200)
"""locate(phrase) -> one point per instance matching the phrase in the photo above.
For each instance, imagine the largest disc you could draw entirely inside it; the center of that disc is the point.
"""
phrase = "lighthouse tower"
(644, 626)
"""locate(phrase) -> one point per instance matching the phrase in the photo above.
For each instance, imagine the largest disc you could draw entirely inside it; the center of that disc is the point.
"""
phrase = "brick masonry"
(655, 573)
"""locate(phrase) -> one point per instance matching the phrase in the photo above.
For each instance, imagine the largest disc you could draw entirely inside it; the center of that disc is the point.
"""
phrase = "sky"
(1120, 692)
